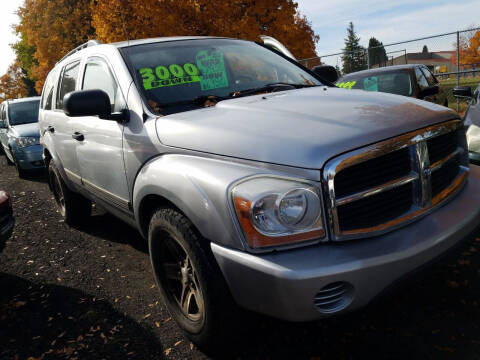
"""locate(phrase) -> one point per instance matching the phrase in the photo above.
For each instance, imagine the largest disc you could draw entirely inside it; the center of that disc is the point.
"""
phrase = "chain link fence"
(450, 56)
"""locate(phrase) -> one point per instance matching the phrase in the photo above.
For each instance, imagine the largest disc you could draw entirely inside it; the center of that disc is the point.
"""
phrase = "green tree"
(377, 56)
(26, 61)
(339, 71)
(354, 55)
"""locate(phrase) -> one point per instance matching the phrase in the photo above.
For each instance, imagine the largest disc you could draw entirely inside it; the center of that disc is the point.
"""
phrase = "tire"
(73, 207)
(193, 290)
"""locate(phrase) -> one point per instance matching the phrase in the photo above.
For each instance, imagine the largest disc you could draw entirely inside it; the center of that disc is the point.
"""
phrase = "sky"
(388, 21)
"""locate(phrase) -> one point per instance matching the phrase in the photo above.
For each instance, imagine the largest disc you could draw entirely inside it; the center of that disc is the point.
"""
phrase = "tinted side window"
(67, 83)
(430, 78)
(421, 79)
(47, 95)
(98, 76)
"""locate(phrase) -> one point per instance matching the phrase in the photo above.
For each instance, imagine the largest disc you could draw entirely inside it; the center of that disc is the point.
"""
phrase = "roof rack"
(81, 47)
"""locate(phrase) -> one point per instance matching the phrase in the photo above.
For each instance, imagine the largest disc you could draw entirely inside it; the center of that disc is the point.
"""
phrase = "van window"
(47, 95)
(98, 76)
(67, 83)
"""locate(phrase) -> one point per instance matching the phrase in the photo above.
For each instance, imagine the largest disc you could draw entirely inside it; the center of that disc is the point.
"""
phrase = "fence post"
(458, 64)
(368, 58)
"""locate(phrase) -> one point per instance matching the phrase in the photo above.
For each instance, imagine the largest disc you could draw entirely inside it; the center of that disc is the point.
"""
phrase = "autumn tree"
(353, 57)
(115, 20)
(49, 29)
(12, 85)
(52, 28)
(470, 52)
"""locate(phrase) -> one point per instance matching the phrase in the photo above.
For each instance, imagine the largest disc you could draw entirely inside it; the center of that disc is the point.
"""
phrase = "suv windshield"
(24, 112)
(393, 82)
(183, 75)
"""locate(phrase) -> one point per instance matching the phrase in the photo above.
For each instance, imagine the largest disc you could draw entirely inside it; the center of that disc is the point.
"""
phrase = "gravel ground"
(89, 293)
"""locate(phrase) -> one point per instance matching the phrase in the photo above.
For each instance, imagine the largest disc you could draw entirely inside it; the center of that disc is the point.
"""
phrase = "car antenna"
(123, 22)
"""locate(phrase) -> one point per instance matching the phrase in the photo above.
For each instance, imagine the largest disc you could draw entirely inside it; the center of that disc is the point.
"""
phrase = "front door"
(100, 150)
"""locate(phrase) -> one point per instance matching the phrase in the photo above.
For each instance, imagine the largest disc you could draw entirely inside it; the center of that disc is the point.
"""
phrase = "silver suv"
(254, 181)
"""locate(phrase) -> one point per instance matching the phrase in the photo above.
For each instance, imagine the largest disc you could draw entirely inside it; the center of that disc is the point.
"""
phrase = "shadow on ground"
(49, 321)
(106, 226)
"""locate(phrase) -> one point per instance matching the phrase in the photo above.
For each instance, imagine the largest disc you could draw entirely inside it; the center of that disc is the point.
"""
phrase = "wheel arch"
(195, 186)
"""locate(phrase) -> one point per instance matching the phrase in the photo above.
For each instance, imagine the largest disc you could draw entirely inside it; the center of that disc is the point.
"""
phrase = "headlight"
(27, 141)
(473, 138)
(274, 211)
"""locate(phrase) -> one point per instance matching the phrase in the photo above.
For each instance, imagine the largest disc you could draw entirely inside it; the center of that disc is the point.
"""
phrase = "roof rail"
(81, 47)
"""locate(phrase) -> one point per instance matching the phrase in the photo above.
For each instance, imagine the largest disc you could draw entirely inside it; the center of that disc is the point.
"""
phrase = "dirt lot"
(89, 293)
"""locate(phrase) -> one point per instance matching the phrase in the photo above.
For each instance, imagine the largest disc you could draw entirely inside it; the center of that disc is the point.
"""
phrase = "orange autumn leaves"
(54, 27)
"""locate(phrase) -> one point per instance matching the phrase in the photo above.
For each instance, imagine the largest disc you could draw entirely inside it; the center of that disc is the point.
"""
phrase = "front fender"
(199, 188)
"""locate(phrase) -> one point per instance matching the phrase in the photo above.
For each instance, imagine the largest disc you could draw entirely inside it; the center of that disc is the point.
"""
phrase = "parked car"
(413, 80)
(6, 218)
(252, 180)
(19, 134)
(471, 120)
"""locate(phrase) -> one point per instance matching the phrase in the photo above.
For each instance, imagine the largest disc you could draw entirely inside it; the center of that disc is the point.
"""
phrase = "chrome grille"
(388, 184)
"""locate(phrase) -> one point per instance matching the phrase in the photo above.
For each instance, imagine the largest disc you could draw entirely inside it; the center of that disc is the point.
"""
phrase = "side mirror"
(429, 91)
(463, 92)
(326, 72)
(91, 103)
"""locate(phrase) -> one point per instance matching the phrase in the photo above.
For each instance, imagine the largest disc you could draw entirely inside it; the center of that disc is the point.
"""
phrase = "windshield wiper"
(270, 88)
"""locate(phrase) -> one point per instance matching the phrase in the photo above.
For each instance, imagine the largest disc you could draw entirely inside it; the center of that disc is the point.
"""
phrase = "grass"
(449, 84)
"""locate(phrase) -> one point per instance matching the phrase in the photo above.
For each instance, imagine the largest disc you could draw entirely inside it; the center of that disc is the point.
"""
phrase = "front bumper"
(6, 229)
(30, 158)
(284, 284)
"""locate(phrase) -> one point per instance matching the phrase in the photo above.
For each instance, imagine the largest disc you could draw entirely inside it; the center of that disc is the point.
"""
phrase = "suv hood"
(302, 128)
(26, 130)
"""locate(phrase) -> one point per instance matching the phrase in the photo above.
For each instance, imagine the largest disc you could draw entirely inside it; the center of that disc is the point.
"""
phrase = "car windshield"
(393, 82)
(25, 112)
(184, 75)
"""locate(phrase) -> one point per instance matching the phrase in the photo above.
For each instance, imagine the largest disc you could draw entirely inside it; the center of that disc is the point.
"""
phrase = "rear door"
(100, 152)
(60, 124)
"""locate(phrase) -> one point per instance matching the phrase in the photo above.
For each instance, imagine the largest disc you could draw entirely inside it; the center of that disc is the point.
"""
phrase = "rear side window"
(47, 95)
(395, 82)
(98, 76)
(67, 83)
(432, 81)
(421, 79)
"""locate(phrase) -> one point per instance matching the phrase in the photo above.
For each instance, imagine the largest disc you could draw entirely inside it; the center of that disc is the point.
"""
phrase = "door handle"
(50, 129)
(78, 136)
